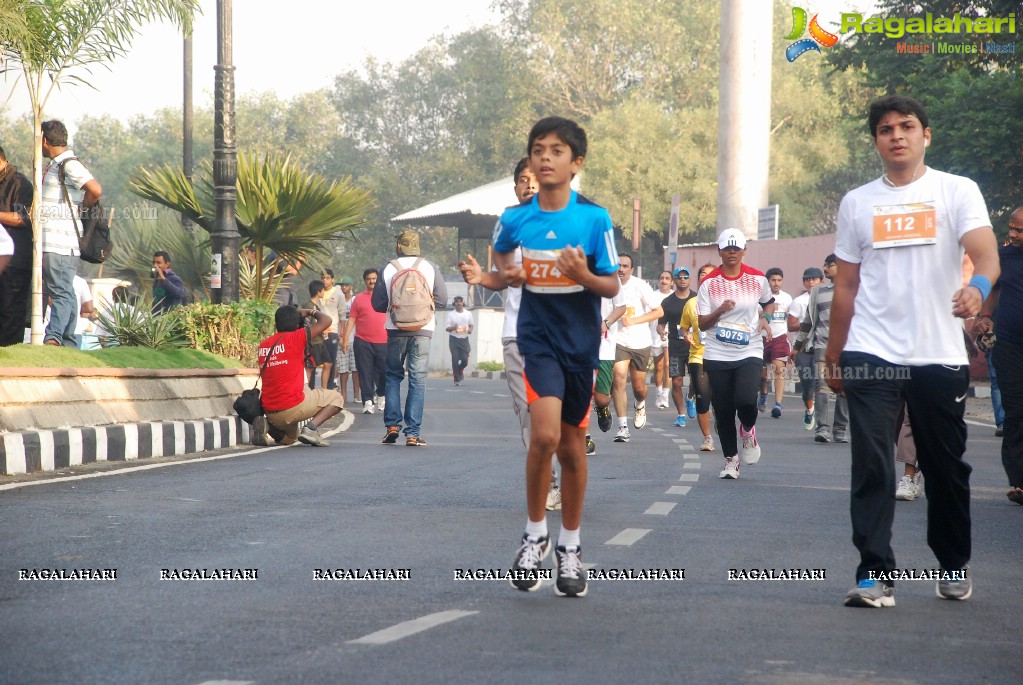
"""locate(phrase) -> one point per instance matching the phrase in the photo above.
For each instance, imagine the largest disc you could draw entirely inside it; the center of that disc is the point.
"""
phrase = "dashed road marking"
(680, 441)
(660, 508)
(689, 477)
(228, 682)
(416, 625)
(690, 465)
(678, 490)
(628, 536)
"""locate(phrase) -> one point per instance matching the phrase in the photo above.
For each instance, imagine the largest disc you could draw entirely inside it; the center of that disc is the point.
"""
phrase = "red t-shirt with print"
(284, 375)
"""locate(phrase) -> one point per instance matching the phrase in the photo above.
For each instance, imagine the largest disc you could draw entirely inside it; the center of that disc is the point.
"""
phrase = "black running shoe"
(604, 418)
(571, 580)
(525, 569)
(591, 447)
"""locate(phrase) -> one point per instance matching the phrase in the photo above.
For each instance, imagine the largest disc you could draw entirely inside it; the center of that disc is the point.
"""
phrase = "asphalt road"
(655, 503)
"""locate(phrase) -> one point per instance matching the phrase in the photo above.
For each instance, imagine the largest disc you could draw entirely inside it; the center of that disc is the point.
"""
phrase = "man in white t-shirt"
(803, 359)
(896, 335)
(632, 354)
(776, 352)
(659, 344)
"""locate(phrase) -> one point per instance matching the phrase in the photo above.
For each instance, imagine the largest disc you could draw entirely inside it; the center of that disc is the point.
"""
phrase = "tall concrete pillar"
(744, 112)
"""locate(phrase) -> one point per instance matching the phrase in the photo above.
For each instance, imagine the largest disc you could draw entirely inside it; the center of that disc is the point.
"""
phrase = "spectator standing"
(459, 329)
(58, 227)
(334, 305)
(317, 357)
(407, 350)
(16, 278)
(346, 366)
(366, 326)
(168, 288)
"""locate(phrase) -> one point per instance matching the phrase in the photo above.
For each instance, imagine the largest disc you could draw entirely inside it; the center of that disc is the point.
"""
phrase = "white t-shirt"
(6, 243)
(512, 302)
(638, 298)
(609, 341)
(462, 320)
(779, 320)
(83, 294)
(903, 309)
(334, 306)
(799, 305)
(734, 337)
(657, 342)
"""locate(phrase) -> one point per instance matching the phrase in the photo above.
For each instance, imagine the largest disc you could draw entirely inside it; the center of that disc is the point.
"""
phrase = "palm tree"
(281, 208)
(54, 42)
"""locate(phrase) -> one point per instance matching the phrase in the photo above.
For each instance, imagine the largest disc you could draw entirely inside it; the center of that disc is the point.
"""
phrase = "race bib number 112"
(903, 225)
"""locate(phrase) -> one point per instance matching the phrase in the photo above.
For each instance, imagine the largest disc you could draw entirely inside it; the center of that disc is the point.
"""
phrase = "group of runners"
(888, 335)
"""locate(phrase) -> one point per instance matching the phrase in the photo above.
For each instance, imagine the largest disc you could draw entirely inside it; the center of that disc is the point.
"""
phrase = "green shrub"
(135, 325)
(231, 330)
(489, 366)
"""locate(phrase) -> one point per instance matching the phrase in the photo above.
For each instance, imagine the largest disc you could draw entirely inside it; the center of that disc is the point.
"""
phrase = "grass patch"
(49, 357)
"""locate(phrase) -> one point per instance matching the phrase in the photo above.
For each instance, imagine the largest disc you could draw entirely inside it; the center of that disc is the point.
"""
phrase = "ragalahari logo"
(818, 37)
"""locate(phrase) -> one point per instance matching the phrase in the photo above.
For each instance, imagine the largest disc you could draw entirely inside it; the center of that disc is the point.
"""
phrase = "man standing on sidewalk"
(66, 182)
(16, 281)
(407, 349)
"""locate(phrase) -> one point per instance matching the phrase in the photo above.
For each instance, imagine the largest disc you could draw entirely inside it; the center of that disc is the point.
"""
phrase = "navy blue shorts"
(545, 377)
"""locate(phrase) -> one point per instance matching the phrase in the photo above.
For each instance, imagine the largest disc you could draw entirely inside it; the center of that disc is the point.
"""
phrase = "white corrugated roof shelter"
(473, 212)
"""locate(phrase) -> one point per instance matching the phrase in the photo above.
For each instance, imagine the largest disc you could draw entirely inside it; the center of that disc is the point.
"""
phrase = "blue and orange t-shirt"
(558, 316)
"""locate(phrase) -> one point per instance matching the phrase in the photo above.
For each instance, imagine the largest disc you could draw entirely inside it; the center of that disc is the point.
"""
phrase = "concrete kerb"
(55, 418)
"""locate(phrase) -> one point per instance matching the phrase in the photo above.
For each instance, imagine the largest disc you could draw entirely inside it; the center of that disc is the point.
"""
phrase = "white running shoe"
(623, 434)
(750, 451)
(918, 482)
(380, 401)
(708, 444)
(906, 492)
(553, 498)
(367, 407)
(640, 419)
(731, 470)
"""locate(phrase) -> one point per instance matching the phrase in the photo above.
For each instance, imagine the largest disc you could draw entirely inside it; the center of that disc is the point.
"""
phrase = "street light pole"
(225, 237)
(186, 120)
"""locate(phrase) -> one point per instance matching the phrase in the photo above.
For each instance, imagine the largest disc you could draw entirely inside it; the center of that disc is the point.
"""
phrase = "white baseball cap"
(731, 237)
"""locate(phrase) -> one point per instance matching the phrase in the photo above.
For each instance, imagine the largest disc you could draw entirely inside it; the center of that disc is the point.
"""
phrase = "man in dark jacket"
(16, 279)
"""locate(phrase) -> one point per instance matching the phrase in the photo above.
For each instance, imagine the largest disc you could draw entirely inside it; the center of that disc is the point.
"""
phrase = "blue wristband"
(981, 283)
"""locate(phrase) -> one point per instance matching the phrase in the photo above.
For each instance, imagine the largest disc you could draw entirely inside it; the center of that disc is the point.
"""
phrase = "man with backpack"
(408, 290)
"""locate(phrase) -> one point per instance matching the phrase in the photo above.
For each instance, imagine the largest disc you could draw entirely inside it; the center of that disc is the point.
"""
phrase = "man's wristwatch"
(607, 323)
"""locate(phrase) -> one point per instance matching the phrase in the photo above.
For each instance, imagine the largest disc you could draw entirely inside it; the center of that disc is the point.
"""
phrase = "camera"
(153, 272)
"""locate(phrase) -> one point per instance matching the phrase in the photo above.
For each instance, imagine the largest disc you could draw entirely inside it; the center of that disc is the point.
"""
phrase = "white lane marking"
(680, 441)
(628, 536)
(497, 394)
(477, 392)
(689, 477)
(678, 490)
(656, 429)
(978, 423)
(416, 625)
(660, 508)
(228, 682)
(691, 465)
(137, 466)
(690, 455)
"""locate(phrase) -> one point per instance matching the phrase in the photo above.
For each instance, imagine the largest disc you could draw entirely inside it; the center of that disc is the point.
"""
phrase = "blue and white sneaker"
(762, 402)
(680, 422)
(808, 420)
(691, 407)
(871, 593)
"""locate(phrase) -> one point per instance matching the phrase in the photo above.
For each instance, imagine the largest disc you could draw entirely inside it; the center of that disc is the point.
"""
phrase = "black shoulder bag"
(248, 405)
(94, 237)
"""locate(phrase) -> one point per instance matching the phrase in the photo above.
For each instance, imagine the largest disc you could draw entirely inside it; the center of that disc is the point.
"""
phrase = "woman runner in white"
(735, 306)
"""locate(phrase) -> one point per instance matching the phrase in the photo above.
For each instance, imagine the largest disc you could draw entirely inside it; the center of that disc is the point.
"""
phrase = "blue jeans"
(59, 284)
(413, 353)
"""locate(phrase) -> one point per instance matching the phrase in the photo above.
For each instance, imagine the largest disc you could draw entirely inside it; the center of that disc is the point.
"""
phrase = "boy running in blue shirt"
(569, 262)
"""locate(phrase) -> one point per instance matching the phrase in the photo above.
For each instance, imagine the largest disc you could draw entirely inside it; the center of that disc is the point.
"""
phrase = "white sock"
(568, 538)
(623, 421)
(641, 405)
(536, 529)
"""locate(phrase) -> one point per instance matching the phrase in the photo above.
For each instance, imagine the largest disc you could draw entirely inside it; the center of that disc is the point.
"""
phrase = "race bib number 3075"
(542, 274)
(902, 225)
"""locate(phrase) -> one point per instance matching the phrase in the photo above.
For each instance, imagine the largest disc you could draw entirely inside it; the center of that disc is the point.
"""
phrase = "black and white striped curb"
(46, 450)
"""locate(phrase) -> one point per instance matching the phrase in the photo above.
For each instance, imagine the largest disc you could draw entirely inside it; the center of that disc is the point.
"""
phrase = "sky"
(289, 47)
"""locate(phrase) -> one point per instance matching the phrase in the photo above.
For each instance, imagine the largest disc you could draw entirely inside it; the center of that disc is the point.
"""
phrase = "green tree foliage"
(973, 100)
